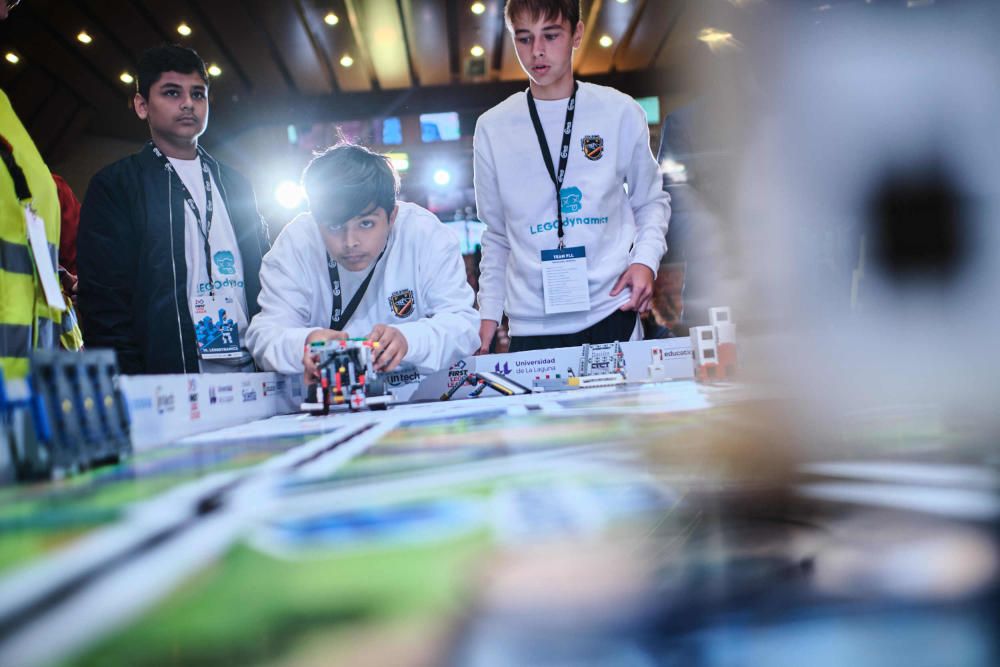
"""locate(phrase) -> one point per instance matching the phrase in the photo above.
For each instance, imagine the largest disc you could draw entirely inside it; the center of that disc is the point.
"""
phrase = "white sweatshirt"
(422, 256)
(516, 199)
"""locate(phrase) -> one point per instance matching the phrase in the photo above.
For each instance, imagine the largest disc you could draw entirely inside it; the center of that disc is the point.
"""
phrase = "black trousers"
(617, 326)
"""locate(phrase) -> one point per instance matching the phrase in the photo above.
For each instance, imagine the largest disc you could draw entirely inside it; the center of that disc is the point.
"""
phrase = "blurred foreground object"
(68, 416)
(871, 206)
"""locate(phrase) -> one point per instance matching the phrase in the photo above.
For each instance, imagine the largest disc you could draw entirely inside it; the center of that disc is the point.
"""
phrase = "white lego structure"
(705, 353)
(725, 334)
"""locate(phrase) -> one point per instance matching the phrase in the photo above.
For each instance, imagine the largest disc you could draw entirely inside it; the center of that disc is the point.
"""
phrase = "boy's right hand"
(487, 330)
(311, 373)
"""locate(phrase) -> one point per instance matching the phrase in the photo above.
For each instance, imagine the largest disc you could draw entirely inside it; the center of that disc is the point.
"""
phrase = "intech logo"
(400, 378)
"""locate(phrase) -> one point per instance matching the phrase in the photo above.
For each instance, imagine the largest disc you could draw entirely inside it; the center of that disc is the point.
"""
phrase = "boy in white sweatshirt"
(574, 267)
(361, 264)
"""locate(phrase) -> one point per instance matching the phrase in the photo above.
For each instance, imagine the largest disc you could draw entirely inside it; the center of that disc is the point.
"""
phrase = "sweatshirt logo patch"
(593, 146)
(569, 199)
(402, 302)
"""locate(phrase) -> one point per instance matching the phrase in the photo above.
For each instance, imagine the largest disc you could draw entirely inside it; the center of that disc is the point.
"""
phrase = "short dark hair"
(347, 180)
(549, 9)
(167, 58)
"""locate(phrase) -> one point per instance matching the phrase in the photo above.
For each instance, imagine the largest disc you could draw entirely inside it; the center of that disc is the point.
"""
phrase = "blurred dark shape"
(919, 225)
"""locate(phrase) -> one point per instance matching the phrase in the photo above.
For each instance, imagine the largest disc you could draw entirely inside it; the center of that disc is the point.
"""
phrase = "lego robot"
(347, 379)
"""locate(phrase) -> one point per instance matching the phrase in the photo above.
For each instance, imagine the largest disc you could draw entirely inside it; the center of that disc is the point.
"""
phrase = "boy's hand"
(392, 347)
(311, 374)
(487, 330)
(640, 278)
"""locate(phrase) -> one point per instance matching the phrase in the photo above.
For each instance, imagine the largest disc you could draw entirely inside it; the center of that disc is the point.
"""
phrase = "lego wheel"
(375, 387)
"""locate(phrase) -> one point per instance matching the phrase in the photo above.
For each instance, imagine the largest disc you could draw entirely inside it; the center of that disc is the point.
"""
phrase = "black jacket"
(133, 273)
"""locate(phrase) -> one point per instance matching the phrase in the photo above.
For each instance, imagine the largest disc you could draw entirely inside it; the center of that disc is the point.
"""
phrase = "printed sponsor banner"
(159, 413)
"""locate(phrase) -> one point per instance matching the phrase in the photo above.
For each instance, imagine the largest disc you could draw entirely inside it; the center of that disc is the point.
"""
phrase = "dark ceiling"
(281, 62)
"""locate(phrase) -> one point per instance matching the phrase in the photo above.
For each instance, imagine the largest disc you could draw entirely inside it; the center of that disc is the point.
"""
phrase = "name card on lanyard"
(39, 245)
(564, 280)
(564, 270)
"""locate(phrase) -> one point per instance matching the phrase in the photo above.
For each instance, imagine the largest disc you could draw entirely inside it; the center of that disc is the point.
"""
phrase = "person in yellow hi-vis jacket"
(28, 317)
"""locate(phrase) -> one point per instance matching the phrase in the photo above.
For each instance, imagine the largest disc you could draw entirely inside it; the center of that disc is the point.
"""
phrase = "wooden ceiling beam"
(361, 44)
(454, 59)
(414, 75)
(314, 41)
(220, 42)
(276, 54)
(626, 41)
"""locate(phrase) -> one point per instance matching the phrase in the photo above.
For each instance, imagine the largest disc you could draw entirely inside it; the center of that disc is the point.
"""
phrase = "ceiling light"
(331, 19)
(347, 61)
(605, 41)
(478, 8)
(214, 70)
(125, 77)
(12, 58)
(718, 39)
(477, 51)
(84, 38)
(622, 2)
(184, 29)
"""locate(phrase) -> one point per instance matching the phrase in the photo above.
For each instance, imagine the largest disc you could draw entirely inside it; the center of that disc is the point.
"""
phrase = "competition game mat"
(540, 529)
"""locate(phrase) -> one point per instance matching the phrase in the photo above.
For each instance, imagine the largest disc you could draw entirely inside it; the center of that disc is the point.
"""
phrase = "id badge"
(217, 333)
(564, 280)
(39, 245)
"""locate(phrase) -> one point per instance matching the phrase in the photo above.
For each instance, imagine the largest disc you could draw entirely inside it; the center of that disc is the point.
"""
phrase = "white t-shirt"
(227, 265)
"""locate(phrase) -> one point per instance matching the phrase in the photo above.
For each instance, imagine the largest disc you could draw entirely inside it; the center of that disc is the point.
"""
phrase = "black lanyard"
(21, 188)
(557, 178)
(337, 318)
(205, 228)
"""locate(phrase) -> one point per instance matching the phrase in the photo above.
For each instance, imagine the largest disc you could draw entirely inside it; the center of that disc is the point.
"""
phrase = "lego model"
(725, 334)
(346, 378)
(705, 352)
(483, 379)
(713, 347)
(600, 366)
(68, 416)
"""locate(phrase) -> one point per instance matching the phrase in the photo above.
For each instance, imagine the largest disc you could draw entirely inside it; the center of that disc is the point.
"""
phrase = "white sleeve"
(496, 247)
(650, 204)
(451, 330)
(277, 334)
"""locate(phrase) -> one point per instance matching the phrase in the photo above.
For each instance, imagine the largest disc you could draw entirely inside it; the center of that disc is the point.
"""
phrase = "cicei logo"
(570, 199)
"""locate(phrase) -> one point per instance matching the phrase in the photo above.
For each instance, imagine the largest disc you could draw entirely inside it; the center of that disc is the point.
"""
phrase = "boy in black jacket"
(170, 241)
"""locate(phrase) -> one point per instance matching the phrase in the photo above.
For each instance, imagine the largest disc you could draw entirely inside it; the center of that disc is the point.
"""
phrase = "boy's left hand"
(640, 278)
(391, 349)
